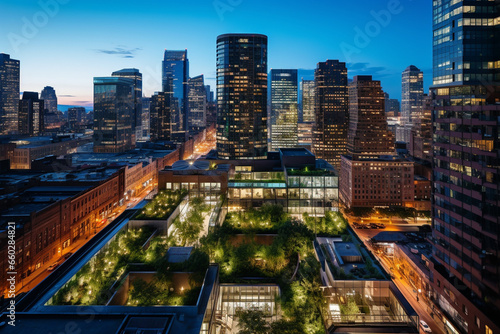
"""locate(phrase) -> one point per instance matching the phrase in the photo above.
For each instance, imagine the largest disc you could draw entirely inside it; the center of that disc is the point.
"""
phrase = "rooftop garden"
(162, 205)
(333, 223)
(96, 281)
(188, 227)
(307, 171)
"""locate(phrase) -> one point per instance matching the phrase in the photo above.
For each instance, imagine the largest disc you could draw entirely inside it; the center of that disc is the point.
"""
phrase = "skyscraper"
(331, 110)
(9, 94)
(308, 99)
(160, 116)
(420, 145)
(49, 97)
(114, 114)
(175, 74)
(242, 96)
(412, 91)
(31, 114)
(284, 109)
(466, 197)
(146, 118)
(76, 117)
(134, 74)
(197, 105)
(368, 134)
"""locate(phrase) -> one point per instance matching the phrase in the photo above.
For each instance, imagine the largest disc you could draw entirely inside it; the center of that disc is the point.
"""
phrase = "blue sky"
(65, 43)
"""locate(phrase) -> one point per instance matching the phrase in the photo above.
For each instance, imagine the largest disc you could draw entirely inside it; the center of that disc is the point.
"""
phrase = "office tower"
(76, 117)
(466, 174)
(49, 97)
(368, 134)
(197, 105)
(9, 94)
(175, 74)
(210, 94)
(161, 125)
(136, 76)
(392, 106)
(331, 111)
(31, 114)
(412, 91)
(284, 109)
(114, 114)
(420, 146)
(146, 118)
(242, 96)
(308, 99)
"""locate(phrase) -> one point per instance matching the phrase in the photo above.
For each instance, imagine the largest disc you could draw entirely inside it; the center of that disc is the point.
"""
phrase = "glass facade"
(9, 94)
(242, 96)
(332, 112)
(284, 109)
(412, 92)
(134, 74)
(175, 74)
(308, 100)
(113, 114)
(160, 117)
(197, 105)
(31, 114)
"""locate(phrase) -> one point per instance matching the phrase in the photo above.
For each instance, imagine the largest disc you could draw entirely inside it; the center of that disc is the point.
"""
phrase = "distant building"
(31, 114)
(114, 114)
(146, 118)
(76, 117)
(242, 96)
(308, 88)
(175, 74)
(284, 109)
(412, 91)
(48, 95)
(392, 107)
(134, 74)
(210, 94)
(9, 94)
(331, 111)
(420, 145)
(197, 105)
(160, 116)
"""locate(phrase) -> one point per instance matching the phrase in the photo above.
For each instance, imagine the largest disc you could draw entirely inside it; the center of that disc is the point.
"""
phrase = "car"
(52, 267)
(67, 255)
(425, 327)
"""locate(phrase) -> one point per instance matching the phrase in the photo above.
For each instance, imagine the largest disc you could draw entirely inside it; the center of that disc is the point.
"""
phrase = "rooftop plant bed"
(162, 205)
(307, 172)
(332, 224)
(266, 219)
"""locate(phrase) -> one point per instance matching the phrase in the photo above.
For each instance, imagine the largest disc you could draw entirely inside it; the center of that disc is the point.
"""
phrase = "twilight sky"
(65, 43)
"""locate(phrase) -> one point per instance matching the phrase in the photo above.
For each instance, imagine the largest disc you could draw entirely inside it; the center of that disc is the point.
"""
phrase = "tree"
(252, 321)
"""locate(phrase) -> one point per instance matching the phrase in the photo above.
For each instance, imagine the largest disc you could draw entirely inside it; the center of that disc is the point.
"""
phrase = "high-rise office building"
(9, 94)
(146, 118)
(210, 94)
(466, 173)
(242, 96)
(175, 74)
(368, 134)
(76, 117)
(160, 116)
(31, 114)
(392, 106)
(284, 109)
(49, 97)
(136, 76)
(412, 91)
(114, 114)
(420, 145)
(308, 88)
(331, 111)
(197, 105)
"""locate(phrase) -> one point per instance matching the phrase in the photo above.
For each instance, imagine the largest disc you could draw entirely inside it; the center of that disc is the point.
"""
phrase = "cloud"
(120, 51)
(65, 95)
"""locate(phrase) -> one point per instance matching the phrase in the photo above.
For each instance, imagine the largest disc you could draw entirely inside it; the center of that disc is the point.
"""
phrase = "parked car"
(425, 327)
(67, 255)
(52, 267)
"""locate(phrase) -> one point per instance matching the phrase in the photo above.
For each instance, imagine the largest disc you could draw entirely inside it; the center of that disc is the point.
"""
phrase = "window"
(477, 321)
(487, 330)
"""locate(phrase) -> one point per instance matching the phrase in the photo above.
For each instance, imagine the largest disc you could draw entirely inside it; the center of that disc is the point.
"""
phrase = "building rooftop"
(179, 254)
(295, 152)
(91, 174)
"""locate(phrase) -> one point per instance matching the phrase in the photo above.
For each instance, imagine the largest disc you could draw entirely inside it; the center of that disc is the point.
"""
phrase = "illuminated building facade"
(284, 109)
(9, 94)
(242, 96)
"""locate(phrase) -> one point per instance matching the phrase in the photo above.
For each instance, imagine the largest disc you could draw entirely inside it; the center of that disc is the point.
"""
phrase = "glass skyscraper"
(466, 165)
(160, 116)
(175, 74)
(412, 92)
(197, 105)
(332, 111)
(134, 74)
(308, 88)
(49, 97)
(284, 109)
(114, 114)
(242, 96)
(31, 114)
(9, 94)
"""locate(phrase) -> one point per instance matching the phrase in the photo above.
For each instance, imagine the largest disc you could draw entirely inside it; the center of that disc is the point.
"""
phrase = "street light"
(419, 291)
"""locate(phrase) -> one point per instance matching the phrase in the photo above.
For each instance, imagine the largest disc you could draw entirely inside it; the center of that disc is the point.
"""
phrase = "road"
(43, 272)
(422, 309)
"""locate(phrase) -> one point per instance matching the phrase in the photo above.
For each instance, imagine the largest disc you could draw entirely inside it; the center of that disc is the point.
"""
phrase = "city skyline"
(60, 43)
